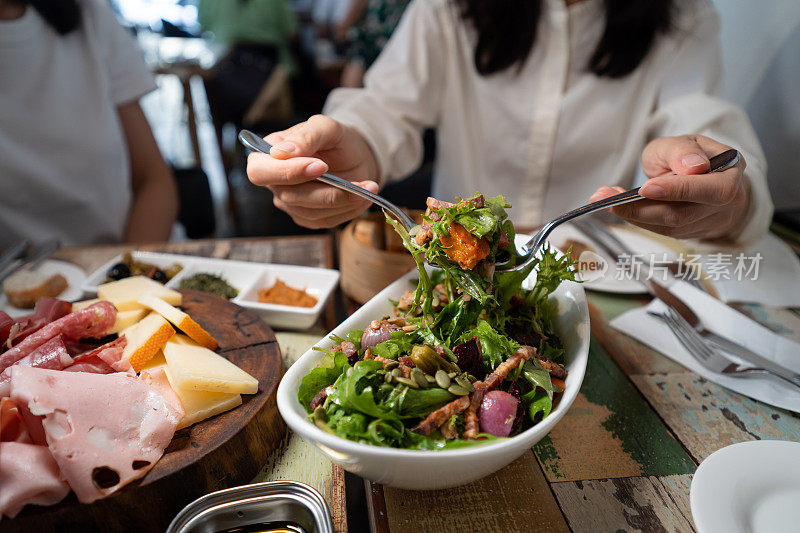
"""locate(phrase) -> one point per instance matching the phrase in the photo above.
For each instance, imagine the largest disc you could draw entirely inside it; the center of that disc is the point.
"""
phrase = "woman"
(78, 161)
(542, 102)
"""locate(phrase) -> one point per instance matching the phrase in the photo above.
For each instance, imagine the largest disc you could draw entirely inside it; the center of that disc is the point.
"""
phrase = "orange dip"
(463, 247)
(282, 294)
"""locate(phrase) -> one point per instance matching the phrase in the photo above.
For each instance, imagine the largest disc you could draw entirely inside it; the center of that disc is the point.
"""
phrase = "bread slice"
(24, 287)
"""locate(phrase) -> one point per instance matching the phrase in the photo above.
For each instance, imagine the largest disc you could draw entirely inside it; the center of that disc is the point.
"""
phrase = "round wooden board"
(223, 451)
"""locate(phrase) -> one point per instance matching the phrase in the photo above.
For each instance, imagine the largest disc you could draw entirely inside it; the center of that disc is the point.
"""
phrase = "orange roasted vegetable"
(463, 247)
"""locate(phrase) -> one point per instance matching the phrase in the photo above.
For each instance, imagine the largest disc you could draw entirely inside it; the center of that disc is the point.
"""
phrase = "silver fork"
(706, 353)
(696, 346)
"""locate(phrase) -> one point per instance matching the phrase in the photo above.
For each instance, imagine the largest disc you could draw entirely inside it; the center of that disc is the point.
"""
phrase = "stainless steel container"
(256, 507)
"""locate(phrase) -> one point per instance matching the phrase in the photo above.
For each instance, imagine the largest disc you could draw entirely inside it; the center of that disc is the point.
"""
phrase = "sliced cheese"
(180, 320)
(125, 293)
(145, 339)
(197, 405)
(194, 367)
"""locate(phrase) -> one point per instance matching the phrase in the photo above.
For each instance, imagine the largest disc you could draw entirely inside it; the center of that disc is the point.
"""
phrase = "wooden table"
(621, 459)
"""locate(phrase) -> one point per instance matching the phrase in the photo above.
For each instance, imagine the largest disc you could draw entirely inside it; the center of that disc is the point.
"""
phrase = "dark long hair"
(507, 32)
(63, 16)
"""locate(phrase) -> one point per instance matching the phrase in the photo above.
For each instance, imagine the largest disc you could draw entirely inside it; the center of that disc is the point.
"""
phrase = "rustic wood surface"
(220, 452)
(622, 458)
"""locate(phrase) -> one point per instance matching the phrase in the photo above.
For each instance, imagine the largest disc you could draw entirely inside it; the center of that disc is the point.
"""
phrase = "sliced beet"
(469, 358)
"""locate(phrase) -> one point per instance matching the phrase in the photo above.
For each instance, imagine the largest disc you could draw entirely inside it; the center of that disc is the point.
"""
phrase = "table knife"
(11, 254)
(41, 253)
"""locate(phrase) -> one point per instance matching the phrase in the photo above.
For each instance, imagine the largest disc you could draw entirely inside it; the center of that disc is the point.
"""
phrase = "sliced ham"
(157, 377)
(92, 321)
(104, 430)
(28, 475)
(12, 426)
(52, 354)
(6, 322)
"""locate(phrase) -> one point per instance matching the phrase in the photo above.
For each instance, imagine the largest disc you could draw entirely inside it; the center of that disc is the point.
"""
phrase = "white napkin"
(777, 283)
(729, 323)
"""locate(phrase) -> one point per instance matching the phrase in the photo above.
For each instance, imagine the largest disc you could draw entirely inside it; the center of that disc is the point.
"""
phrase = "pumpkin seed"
(393, 364)
(408, 382)
(464, 382)
(451, 375)
(430, 379)
(350, 370)
(412, 327)
(471, 378)
(420, 379)
(397, 373)
(388, 377)
(458, 390)
(442, 379)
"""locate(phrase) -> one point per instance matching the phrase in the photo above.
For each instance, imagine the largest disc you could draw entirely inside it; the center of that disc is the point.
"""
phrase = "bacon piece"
(551, 366)
(349, 349)
(472, 423)
(369, 355)
(12, 425)
(441, 415)
(5, 328)
(319, 399)
(424, 235)
(449, 431)
(52, 354)
(520, 356)
(92, 321)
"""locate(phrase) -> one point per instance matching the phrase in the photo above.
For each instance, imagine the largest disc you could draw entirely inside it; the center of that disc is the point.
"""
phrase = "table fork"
(705, 353)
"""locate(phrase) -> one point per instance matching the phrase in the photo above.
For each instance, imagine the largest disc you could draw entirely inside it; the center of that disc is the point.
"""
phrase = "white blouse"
(550, 135)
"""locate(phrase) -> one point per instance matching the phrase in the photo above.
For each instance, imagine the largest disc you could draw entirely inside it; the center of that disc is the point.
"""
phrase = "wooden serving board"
(223, 451)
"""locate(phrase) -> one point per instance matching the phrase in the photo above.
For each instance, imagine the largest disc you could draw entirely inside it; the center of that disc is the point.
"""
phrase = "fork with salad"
(468, 356)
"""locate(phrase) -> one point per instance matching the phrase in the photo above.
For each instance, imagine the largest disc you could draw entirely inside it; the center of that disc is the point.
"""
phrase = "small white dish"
(247, 277)
(749, 487)
(423, 470)
(74, 275)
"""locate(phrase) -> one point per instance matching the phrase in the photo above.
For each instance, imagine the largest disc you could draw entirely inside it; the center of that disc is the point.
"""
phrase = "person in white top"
(78, 161)
(546, 102)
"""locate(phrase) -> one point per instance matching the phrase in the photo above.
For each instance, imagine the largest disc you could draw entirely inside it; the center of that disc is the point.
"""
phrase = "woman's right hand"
(304, 152)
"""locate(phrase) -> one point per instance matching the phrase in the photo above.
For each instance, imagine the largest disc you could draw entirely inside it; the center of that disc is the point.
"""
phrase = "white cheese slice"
(125, 293)
(194, 367)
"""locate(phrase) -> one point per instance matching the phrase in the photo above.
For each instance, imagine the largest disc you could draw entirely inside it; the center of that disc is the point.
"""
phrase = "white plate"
(75, 279)
(612, 281)
(750, 487)
(422, 470)
(247, 277)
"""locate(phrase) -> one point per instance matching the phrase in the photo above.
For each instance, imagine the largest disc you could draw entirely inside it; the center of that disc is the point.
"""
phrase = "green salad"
(468, 356)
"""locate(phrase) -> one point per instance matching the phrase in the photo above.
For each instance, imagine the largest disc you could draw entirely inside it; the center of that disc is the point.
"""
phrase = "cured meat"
(12, 426)
(52, 354)
(522, 354)
(92, 321)
(441, 415)
(47, 310)
(28, 475)
(5, 328)
(157, 377)
(110, 354)
(104, 430)
(471, 421)
(93, 365)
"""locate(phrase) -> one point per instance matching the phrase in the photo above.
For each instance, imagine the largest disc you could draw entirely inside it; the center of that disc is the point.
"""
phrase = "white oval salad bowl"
(424, 470)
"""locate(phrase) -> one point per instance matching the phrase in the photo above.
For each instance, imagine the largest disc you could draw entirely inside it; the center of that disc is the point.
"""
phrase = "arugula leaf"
(399, 344)
(417, 403)
(325, 374)
(495, 347)
(537, 401)
(356, 391)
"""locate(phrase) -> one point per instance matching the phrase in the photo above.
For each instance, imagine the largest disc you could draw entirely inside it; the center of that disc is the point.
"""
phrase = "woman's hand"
(304, 152)
(685, 201)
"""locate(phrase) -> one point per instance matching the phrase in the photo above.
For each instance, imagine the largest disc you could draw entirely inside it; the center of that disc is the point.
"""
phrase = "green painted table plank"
(609, 432)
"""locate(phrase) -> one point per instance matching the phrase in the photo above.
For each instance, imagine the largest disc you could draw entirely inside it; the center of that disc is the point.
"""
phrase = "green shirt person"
(252, 22)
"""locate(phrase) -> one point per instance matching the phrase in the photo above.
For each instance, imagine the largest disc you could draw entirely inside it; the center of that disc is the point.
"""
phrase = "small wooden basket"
(371, 256)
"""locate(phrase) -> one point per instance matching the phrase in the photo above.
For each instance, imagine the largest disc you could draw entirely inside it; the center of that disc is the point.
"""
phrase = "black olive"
(159, 276)
(119, 271)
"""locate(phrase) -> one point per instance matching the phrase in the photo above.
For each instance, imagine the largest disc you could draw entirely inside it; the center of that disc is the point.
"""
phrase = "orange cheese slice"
(145, 339)
(180, 320)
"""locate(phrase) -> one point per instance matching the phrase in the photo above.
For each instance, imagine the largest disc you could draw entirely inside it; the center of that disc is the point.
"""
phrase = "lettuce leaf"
(325, 374)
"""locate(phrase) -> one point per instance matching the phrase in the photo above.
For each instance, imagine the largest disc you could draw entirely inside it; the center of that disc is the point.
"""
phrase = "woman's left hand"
(684, 201)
